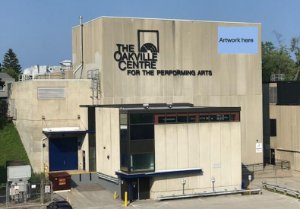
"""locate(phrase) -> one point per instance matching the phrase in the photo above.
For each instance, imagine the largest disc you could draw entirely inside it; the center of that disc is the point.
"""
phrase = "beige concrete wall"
(108, 140)
(288, 133)
(184, 45)
(85, 144)
(4, 91)
(57, 112)
(92, 39)
(213, 147)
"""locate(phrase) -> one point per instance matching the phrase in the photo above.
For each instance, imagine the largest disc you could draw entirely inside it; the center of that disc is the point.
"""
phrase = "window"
(182, 118)
(142, 162)
(141, 126)
(197, 117)
(123, 119)
(141, 118)
(273, 129)
(137, 142)
(141, 132)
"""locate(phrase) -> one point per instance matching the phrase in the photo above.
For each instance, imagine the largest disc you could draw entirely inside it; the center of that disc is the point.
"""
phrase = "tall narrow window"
(273, 128)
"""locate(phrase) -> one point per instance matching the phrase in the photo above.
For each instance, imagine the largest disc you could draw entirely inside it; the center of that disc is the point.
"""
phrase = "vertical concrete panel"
(183, 146)
(115, 141)
(160, 147)
(205, 130)
(236, 172)
(297, 161)
(107, 140)
(193, 153)
(226, 160)
(171, 145)
(215, 152)
(85, 144)
(99, 139)
(194, 145)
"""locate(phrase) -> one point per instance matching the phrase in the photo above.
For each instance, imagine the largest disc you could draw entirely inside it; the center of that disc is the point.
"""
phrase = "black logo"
(147, 55)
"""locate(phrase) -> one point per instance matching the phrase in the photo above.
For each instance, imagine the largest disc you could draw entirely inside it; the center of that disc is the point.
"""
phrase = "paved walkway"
(283, 178)
(94, 197)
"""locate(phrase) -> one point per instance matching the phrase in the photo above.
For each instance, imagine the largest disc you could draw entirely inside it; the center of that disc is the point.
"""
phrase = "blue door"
(63, 154)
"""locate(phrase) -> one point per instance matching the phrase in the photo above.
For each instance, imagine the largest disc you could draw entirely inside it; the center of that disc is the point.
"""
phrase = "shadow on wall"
(246, 179)
(3, 174)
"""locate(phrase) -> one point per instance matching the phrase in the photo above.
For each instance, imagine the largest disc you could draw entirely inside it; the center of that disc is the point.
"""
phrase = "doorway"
(137, 188)
(63, 154)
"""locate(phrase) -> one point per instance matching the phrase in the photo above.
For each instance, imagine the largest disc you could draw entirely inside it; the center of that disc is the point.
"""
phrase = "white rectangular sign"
(259, 148)
(237, 40)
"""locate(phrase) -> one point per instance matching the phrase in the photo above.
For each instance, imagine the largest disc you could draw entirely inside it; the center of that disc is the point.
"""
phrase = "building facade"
(158, 150)
(158, 107)
(283, 101)
(199, 62)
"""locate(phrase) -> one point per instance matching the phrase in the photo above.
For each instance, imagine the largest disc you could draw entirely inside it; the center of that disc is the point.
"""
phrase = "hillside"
(11, 147)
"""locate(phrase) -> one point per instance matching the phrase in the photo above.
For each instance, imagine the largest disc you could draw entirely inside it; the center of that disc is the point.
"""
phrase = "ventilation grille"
(51, 93)
(273, 95)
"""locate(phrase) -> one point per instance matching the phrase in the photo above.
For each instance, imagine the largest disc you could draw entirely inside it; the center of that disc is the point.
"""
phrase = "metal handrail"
(280, 189)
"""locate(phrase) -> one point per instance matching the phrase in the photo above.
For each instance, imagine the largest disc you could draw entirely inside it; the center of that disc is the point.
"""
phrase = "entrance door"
(272, 156)
(131, 187)
(144, 188)
(63, 154)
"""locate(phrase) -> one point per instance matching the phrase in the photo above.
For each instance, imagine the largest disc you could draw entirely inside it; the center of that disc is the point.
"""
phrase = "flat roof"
(167, 19)
(164, 107)
(170, 172)
(64, 130)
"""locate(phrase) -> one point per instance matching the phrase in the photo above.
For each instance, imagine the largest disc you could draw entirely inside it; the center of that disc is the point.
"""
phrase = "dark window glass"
(192, 118)
(91, 119)
(141, 132)
(171, 119)
(273, 128)
(124, 134)
(288, 93)
(141, 118)
(92, 152)
(124, 162)
(204, 118)
(142, 162)
(161, 119)
(196, 117)
(182, 118)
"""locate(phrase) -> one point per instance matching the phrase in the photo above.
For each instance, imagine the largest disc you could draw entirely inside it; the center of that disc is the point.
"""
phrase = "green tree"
(11, 65)
(277, 61)
(295, 49)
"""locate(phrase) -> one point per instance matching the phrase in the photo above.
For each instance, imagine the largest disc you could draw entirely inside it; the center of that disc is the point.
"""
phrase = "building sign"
(237, 40)
(142, 60)
(259, 147)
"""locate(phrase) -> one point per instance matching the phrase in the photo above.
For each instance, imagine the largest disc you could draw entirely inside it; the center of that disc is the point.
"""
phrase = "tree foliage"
(10, 64)
(279, 60)
(295, 49)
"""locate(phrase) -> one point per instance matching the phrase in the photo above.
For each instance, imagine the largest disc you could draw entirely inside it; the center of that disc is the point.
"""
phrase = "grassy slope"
(11, 148)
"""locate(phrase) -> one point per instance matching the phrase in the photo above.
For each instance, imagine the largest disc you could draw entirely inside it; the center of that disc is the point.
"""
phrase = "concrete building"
(45, 105)
(158, 107)
(281, 124)
(62, 71)
(159, 150)
(6, 88)
(193, 64)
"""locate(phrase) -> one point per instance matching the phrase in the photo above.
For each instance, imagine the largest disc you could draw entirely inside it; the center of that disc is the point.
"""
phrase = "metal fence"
(278, 164)
(31, 193)
(282, 190)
